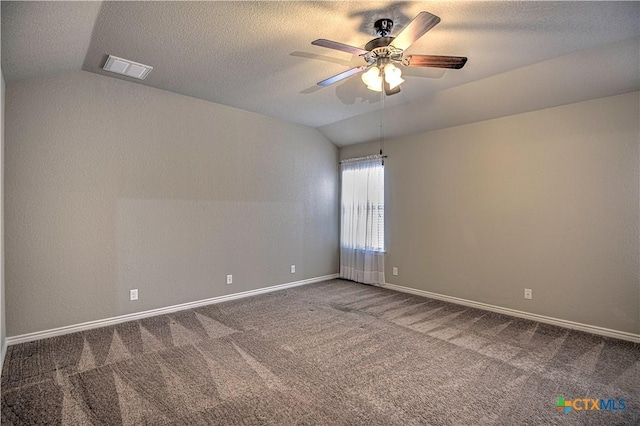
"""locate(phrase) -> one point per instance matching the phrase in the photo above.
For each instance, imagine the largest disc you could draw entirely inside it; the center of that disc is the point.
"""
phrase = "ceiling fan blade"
(434, 61)
(336, 78)
(422, 23)
(339, 46)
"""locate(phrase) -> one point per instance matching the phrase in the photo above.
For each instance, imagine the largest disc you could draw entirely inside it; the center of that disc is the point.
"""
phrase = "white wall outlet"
(229, 279)
(528, 294)
(395, 271)
(293, 269)
(133, 294)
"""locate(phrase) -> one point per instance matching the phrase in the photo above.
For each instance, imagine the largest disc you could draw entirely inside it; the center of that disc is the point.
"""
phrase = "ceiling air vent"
(126, 67)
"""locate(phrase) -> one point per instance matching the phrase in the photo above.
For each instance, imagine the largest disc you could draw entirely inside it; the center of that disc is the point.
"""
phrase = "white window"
(362, 224)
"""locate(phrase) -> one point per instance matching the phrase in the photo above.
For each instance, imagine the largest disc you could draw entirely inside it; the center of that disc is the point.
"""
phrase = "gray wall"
(112, 185)
(3, 335)
(547, 200)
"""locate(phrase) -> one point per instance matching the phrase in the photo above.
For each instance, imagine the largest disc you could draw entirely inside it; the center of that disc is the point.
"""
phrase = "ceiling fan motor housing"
(378, 42)
(384, 54)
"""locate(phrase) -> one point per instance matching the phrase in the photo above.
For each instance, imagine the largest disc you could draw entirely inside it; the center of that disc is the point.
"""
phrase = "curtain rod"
(368, 157)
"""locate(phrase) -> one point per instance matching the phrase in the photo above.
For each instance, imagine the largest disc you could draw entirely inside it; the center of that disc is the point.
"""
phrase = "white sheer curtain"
(362, 221)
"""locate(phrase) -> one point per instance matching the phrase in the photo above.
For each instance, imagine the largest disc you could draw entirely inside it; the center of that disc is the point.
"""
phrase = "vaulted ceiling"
(258, 56)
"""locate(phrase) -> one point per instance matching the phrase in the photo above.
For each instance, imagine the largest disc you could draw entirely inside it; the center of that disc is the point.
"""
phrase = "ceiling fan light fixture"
(393, 75)
(373, 79)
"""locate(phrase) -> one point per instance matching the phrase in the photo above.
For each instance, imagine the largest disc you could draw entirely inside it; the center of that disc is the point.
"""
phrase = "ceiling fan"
(383, 53)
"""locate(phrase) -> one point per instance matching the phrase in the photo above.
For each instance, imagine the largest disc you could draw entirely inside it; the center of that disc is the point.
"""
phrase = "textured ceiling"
(258, 55)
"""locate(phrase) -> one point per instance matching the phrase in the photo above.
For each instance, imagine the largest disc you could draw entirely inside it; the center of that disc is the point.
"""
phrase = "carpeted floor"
(330, 353)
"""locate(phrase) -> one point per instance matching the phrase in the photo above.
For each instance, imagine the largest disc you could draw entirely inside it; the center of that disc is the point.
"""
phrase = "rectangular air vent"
(126, 67)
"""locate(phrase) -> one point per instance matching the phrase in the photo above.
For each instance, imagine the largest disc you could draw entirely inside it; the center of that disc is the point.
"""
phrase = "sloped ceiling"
(257, 56)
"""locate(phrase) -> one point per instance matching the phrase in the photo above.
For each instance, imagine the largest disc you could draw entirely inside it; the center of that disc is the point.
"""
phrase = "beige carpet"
(330, 353)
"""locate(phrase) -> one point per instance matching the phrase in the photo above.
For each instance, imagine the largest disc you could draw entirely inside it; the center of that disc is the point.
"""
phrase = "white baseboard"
(30, 337)
(623, 335)
(3, 352)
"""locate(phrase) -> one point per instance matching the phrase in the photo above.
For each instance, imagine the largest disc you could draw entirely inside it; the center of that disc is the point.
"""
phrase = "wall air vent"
(126, 67)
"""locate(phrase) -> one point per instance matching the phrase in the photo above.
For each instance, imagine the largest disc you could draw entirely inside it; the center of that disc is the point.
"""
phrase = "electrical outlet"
(293, 269)
(133, 294)
(229, 279)
(528, 294)
(395, 271)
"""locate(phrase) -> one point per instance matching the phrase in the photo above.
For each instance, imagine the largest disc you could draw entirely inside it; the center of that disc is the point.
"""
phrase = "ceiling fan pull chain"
(382, 94)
